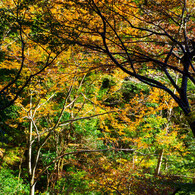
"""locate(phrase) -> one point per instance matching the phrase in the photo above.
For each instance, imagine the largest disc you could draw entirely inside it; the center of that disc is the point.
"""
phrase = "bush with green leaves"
(73, 182)
(10, 184)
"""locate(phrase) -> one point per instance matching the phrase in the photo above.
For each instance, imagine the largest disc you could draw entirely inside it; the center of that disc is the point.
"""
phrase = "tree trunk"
(166, 164)
(32, 188)
(30, 169)
(134, 161)
(191, 121)
(159, 162)
(192, 126)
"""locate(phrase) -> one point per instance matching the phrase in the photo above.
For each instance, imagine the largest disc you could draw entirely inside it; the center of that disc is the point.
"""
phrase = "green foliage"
(47, 156)
(73, 183)
(134, 88)
(10, 184)
(185, 188)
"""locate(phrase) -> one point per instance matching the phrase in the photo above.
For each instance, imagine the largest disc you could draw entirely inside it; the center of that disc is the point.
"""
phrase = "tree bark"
(32, 188)
(159, 162)
(30, 150)
(30, 163)
(134, 160)
(192, 126)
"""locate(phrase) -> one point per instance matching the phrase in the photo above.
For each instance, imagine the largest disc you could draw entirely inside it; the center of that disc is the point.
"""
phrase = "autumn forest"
(97, 97)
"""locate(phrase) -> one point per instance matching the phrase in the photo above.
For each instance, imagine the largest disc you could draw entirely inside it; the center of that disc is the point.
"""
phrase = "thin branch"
(22, 63)
(87, 117)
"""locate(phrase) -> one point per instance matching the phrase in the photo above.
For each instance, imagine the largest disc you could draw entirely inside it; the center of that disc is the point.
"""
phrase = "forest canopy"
(97, 97)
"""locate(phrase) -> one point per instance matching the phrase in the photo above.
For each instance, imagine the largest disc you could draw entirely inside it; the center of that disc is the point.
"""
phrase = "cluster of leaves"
(10, 184)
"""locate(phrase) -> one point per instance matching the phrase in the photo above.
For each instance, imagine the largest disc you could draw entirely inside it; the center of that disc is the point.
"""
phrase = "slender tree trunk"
(159, 162)
(30, 169)
(134, 160)
(20, 167)
(30, 150)
(192, 126)
(166, 164)
(32, 187)
(32, 190)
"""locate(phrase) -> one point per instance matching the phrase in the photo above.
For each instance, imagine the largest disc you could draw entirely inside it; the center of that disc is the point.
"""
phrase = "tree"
(21, 38)
(138, 37)
(51, 98)
(150, 41)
